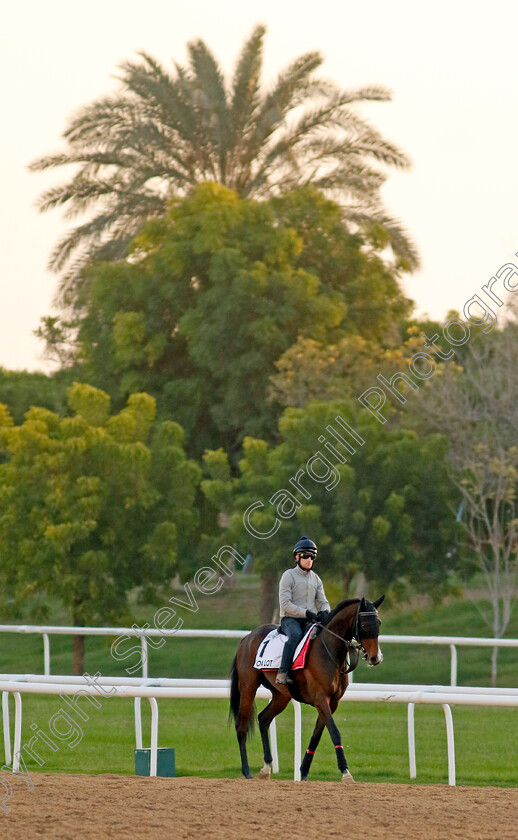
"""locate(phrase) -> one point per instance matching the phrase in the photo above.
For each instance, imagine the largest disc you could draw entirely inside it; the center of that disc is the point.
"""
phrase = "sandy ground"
(120, 807)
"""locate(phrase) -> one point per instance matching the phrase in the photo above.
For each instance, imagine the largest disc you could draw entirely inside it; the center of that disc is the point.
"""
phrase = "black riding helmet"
(305, 546)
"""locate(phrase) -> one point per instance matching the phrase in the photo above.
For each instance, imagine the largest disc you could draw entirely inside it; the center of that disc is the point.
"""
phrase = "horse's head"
(367, 630)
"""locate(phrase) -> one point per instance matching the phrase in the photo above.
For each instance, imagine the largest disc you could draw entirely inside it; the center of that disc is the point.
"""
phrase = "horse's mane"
(341, 606)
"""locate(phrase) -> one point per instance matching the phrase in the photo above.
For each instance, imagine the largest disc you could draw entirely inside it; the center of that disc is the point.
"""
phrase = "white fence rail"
(153, 689)
(45, 631)
(18, 684)
(71, 686)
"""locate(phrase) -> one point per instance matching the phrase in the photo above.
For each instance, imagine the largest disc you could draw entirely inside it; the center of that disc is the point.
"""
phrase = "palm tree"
(162, 134)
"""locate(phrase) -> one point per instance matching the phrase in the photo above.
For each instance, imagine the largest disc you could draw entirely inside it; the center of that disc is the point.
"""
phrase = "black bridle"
(366, 626)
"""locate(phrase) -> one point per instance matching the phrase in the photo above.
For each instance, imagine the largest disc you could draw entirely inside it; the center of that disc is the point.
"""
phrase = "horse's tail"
(235, 700)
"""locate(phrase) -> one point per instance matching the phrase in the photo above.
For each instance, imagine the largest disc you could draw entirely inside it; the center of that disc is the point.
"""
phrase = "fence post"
(46, 654)
(138, 724)
(7, 728)
(453, 667)
(154, 736)
(275, 752)
(297, 729)
(411, 741)
(451, 744)
(143, 643)
(17, 747)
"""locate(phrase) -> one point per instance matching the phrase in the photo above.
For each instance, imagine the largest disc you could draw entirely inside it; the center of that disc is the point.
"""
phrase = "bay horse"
(321, 683)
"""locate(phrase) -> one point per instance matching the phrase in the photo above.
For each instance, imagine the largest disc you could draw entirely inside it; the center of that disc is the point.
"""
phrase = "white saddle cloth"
(270, 650)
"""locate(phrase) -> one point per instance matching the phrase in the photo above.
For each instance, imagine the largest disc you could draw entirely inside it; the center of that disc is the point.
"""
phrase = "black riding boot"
(287, 659)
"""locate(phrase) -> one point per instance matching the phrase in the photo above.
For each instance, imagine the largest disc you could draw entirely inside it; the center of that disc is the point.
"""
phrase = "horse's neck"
(343, 622)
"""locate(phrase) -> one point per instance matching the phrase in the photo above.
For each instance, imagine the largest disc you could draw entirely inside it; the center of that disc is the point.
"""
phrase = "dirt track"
(123, 807)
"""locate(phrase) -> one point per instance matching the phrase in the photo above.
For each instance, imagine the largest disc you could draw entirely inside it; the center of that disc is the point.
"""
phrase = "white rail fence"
(153, 689)
(46, 631)
(18, 684)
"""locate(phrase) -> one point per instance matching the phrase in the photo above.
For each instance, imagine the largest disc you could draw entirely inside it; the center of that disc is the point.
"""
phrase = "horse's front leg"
(325, 710)
(313, 744)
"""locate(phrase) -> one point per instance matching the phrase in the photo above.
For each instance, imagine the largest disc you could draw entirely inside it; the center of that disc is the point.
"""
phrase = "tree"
(311, 370)
(91, 506)
(216, 293)
(314, 370)
(383, 512)
(476, 406)
(163, 133)
(21, 389)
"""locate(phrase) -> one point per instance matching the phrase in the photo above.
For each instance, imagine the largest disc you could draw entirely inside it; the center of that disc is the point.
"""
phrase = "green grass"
(374, 735)
(238, 608)
(374, 738)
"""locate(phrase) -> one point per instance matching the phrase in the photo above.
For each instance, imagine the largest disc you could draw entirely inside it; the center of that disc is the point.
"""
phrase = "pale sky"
(452, 68)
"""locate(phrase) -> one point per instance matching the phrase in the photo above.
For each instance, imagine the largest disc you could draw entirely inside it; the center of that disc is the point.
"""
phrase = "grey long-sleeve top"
(300, 591)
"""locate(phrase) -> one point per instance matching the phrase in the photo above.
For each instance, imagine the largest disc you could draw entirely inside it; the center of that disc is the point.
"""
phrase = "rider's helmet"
(305, 546)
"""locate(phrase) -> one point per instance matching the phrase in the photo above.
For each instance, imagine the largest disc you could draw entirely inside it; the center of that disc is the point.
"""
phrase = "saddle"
(270, 650)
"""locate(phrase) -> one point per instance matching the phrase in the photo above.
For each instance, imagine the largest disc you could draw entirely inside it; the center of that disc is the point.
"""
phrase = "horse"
(321, 683)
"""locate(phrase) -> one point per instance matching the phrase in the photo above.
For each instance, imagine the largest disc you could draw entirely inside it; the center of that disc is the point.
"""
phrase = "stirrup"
(282, 678)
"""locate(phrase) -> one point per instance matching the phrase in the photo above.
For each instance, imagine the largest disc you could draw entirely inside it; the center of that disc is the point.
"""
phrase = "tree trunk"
(268, 597)
(360, 589)
(494, 656)
(347, 577)
(498, 627)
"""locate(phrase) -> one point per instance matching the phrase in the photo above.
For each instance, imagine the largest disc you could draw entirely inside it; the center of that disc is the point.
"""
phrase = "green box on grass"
(164, 764)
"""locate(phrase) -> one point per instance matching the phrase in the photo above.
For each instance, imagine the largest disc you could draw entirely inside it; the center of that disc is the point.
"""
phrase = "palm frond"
(163, 132)
(399, 239)
(211, 99)
(246, 84)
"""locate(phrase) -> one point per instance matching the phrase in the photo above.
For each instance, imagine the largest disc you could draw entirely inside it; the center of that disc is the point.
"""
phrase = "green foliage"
(216, 294)
(163, 134)
(92, 505)
(385, 512)
(474, 402)
(313, 370)
(20, 389)
(346, 264)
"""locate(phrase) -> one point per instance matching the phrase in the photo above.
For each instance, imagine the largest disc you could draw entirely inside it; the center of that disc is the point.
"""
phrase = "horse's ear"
(363, 605)
(378, 602)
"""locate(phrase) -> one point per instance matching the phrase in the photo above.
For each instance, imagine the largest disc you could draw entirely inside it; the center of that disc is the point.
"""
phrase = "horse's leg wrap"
(337, 741)
(310, 752)
(306, 764)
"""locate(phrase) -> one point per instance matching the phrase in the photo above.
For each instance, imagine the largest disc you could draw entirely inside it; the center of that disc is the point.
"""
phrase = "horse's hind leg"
(313, 744)
(242, 724)
(276, 705)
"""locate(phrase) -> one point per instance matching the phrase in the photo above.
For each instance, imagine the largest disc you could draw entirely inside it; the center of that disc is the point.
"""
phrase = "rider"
(302, 599)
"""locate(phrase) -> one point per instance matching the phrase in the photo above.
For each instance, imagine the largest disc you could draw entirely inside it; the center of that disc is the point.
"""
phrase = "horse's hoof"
(265, 772)
(303, 778)
(347, 778)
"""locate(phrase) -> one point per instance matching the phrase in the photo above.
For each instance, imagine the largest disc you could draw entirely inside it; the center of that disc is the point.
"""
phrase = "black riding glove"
(311, 615)
(322, 615)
